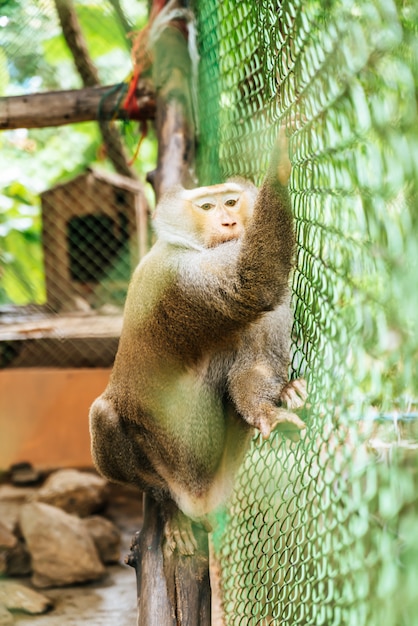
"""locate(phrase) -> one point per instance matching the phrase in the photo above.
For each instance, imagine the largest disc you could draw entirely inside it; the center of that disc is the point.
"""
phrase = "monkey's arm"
(237, 281)
(267, 250)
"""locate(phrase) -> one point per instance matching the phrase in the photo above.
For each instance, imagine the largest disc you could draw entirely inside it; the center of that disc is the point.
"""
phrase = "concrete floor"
(109, 602)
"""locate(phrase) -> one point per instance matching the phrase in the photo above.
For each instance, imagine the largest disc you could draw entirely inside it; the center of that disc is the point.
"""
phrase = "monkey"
(203, 355)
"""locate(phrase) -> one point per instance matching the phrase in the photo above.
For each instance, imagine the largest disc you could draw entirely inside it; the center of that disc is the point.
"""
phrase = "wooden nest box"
(90, 238)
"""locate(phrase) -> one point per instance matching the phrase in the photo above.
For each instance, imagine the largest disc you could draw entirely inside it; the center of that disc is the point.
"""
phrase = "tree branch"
(126, 25)
(76, 43)
(89, 75)
(57, 108)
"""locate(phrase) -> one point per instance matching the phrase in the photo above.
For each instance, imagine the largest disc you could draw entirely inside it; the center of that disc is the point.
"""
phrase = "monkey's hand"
(278, 418)
(294, 394)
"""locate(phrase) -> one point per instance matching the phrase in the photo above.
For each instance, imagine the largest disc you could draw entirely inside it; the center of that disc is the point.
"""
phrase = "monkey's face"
(219, 213)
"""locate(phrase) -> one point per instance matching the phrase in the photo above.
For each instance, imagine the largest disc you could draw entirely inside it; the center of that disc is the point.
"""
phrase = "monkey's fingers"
(294, 394)
(284, 421)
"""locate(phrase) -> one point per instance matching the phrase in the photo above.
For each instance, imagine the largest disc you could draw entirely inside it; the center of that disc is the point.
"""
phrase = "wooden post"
(172, 590)
(172, 75)
(174, 593)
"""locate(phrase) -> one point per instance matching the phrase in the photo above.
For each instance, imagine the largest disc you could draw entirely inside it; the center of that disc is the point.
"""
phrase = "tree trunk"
(174, 592)
(174, 113)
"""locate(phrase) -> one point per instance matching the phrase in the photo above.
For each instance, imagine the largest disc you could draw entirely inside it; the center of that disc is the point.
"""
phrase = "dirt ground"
(110, 601)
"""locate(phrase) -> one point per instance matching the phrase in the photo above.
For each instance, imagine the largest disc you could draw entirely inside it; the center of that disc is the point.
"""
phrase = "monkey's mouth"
(218, 239)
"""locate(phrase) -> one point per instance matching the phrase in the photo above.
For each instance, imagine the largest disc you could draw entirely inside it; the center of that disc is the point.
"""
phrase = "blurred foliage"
(34, 58)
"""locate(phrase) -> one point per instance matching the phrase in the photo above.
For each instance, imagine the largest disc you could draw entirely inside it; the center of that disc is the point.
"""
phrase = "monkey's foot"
(283, 421)
(179, 535)
(294, 394)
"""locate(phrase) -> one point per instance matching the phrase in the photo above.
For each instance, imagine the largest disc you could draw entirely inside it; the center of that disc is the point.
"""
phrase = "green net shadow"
(324, 531)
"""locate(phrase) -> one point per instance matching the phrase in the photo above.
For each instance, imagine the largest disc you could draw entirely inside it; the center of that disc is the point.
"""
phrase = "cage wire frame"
(74, 228)
(322, 532)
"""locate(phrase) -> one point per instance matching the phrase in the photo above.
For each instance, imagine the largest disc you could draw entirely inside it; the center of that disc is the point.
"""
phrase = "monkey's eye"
(230, 202)
(206, 206)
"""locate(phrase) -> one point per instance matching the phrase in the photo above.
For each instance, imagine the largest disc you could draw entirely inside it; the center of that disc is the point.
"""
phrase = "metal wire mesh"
(71, 229)
(322, 532)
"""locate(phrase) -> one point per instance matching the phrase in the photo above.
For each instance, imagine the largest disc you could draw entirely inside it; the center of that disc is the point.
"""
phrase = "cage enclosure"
(90, 233)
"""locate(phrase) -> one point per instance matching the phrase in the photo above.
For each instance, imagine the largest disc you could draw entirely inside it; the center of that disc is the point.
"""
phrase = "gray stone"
(73, 491)
(62, 550)
(10, 493)
(106, 537)
(17, 597)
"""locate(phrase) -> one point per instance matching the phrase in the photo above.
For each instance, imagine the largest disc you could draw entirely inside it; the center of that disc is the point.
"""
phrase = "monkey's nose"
(229, 223)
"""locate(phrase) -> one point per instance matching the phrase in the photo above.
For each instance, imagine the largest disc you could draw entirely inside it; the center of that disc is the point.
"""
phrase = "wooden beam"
(57, 108)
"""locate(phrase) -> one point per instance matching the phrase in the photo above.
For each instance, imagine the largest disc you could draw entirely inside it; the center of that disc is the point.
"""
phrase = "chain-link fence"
(319, 532)
(324, 531)
(73, 212)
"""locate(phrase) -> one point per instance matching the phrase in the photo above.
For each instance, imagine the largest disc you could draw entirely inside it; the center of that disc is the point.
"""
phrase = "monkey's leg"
(263, 397)
(257, 394)
(238, 435)
(196, 498)
(116, 449)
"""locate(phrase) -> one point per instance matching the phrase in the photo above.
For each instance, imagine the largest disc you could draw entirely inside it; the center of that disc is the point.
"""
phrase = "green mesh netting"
(326, 531)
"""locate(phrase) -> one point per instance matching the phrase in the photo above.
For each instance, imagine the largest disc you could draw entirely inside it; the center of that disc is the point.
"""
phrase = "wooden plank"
(62, 327)
(60, 341)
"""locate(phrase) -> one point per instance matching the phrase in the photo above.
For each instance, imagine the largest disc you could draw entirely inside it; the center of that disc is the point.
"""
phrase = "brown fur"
(204, 350)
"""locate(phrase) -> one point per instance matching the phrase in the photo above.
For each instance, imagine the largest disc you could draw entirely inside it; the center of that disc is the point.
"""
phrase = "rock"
(11, 500)
(7, 538)
(7, 542)
(18, 561)
(6, 618)
(10, 493)
(74, 492)
(17, 597)
(106, 537)
(9, 515)
(24, 474)
(62, 550)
